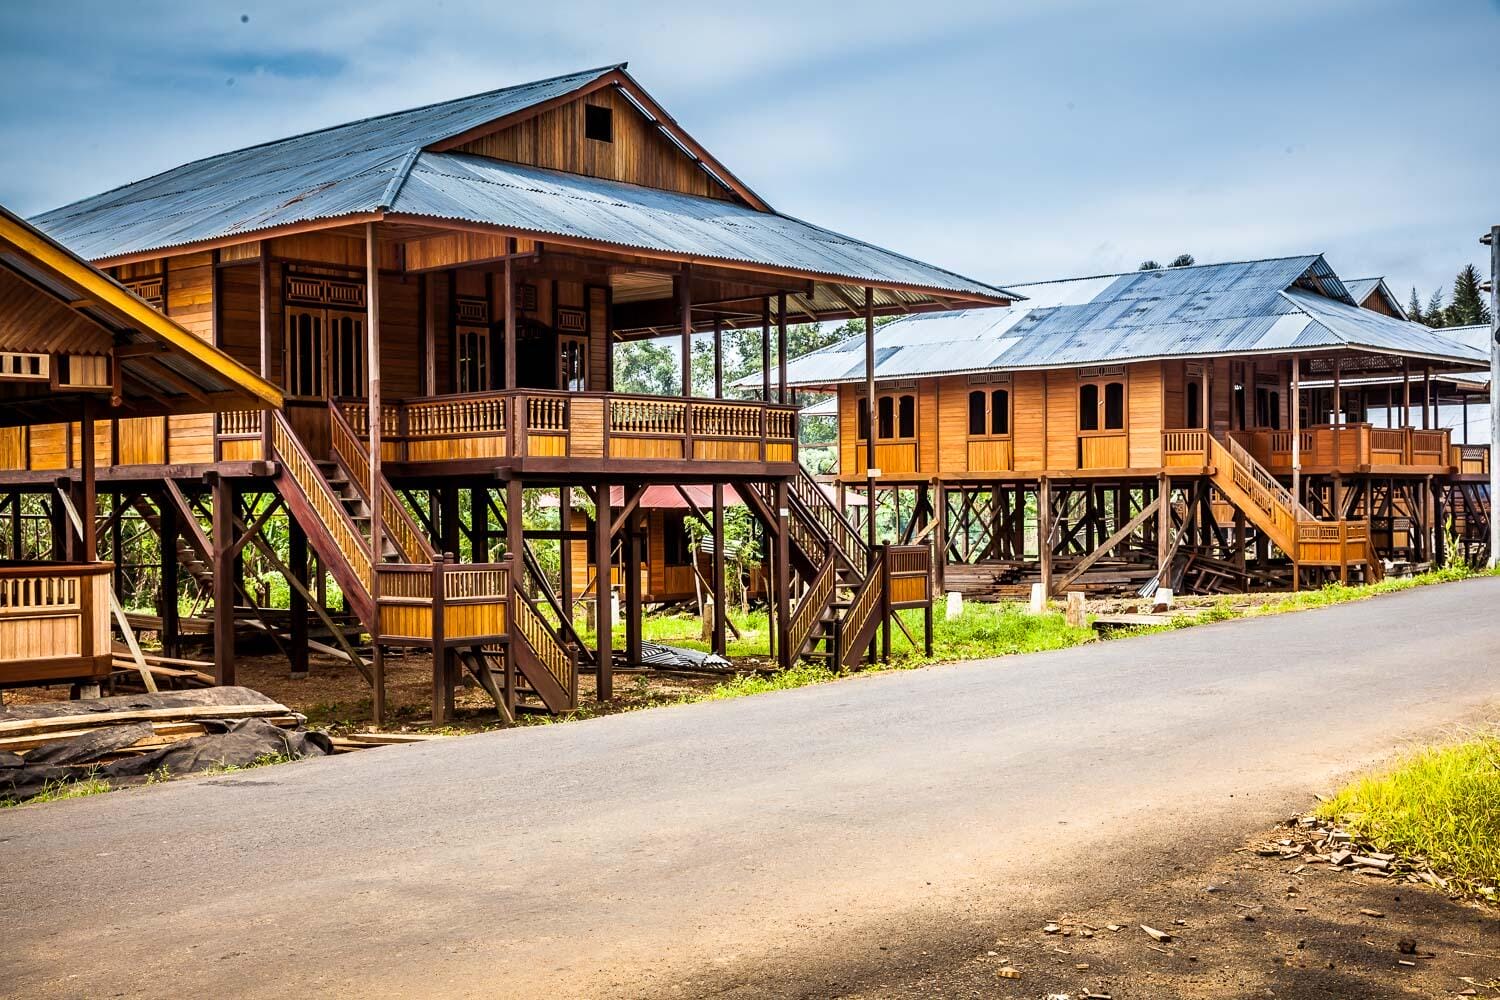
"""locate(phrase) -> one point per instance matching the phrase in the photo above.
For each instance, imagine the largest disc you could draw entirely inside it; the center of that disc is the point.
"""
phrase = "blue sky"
(1008, 142)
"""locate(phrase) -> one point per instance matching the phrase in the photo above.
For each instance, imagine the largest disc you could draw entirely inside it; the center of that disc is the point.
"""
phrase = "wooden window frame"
(582, 344)
(873, 424)
(988, 393)
(293, 362)
(1101, 385)
(476, 366)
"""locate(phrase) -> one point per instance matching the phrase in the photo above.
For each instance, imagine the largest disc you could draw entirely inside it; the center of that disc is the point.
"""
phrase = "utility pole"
(1492, 240)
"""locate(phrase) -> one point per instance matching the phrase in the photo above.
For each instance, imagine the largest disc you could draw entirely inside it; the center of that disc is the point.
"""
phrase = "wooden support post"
(1297, 429)
(872, 471)
(721, 609)
(939, 545)
(1338, 411)
(223, 539)
(781, 358)
(508, 301)
(479, 516)
(1163, 525)
(17, 546)
(602, 622)
(1429, 405)
(1405, 392)
(565, 545)
(718, 358)
(297, 600)
(685, 315)
(166, 604)
(783, 583)
(1044, 532)
(88, 499)
(631, 565)
(765, 348)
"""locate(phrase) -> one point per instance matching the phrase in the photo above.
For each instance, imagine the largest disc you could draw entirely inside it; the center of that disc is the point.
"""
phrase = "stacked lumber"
(128, 738)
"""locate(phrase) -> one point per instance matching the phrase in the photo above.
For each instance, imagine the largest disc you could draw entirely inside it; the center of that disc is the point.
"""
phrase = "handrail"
(867, 601)
(810, 609)
(806, 491)
(410, 541)
(544, 642)
(304, 471)
(534, 569)
(1277, 493)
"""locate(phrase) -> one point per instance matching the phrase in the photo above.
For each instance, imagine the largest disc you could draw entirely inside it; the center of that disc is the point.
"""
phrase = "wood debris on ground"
(133, 738)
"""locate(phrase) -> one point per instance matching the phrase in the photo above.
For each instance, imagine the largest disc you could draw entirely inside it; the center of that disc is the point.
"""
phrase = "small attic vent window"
(598, 123)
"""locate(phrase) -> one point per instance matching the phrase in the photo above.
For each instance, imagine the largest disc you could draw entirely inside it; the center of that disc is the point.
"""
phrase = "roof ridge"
(1190, 267)
(595, 73)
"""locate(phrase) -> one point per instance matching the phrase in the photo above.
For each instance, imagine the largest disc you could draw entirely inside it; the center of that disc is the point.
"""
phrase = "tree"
(1468, 308)
(1183, 260)
(1414, 307)
(646, 366)
(1435, 314)
(1150, 265)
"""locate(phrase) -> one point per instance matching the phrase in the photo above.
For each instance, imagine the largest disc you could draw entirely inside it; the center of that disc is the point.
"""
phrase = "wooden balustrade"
(403, 530)
(1350, 447)
(559, 660)
(1470, 459)
(328, 508)
(54, 622)
(809, 610)
(443, 601)
(1184, 448)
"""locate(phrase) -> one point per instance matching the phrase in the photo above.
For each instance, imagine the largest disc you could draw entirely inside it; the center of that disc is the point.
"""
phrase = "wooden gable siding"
(639, 154)
(400, 336)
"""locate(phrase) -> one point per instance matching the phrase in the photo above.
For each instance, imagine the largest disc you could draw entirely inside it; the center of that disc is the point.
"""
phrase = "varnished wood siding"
(190, 303)
(1144, 403)
(639, 154)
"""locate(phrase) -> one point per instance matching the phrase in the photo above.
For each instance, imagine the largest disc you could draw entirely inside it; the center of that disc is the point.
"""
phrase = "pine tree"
(1468, 308)
(1435, 315)
(1414, 307)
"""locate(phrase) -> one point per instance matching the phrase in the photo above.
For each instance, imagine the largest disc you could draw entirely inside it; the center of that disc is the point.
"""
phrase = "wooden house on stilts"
(1212, 428)
(438, 294)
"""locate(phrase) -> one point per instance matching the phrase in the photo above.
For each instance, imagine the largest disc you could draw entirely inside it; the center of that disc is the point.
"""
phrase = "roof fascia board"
(111, 295)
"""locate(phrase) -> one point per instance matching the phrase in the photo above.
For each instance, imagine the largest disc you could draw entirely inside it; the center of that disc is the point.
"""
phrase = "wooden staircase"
(848, 591)
(1306, 539)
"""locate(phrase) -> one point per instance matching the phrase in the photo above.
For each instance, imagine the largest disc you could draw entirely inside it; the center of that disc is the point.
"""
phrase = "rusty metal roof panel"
(470, 188)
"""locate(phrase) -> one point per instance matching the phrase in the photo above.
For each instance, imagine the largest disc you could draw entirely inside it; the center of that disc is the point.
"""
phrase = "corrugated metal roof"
(1360, 289)
(379, 164)
(550, 202)
(334, 171)
(1292, 303)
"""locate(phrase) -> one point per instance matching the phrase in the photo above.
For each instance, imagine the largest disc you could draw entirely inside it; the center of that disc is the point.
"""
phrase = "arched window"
(863, 408)
(1114, 406)
(977, 420)
(1194, 404)
(886, 410)
(1000, 412)
(1088, 407)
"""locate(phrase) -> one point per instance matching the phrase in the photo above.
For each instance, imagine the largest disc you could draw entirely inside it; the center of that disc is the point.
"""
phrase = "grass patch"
(56, 791)
(1441, 804)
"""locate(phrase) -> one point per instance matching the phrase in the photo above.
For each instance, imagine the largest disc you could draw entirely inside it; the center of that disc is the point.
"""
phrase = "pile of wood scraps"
(169, 672)
(133, 738)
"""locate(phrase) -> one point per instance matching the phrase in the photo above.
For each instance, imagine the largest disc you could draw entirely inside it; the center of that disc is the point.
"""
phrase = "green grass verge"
(1441, 804)
(56, 791)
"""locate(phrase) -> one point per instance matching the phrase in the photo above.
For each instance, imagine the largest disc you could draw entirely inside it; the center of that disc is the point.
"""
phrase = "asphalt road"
(808, 841)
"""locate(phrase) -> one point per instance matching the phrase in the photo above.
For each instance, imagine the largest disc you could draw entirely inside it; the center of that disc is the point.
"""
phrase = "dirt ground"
(334, 696)
(1244, 926)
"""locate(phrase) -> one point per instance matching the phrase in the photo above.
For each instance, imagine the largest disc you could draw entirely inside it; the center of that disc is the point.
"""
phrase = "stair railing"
(397, 520)
(805, 491)
(869, 603)
(328, 508)
(534, 629)
(810, 609)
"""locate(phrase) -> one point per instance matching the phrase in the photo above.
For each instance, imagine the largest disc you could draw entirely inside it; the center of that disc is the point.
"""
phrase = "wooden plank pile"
(128, 738)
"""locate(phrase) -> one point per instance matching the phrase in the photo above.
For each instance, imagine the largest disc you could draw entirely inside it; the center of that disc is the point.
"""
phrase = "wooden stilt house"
(439, 292)
(1203, 427)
